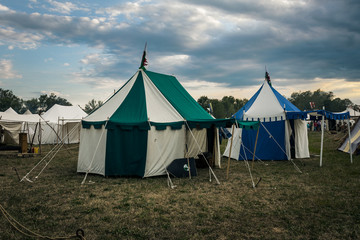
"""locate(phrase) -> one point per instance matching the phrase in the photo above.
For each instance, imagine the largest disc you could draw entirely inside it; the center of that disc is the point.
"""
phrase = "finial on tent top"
(143, 59)
(267, 76)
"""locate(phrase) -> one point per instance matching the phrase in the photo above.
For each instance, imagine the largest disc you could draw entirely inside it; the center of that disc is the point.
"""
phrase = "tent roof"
(27, 112)
(267, 104)
(68, 113)
(151, 98)
(353, 112)
(10, 110)
(14, 117)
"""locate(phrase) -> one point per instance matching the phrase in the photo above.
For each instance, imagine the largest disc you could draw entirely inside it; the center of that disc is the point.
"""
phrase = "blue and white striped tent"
(282, 128)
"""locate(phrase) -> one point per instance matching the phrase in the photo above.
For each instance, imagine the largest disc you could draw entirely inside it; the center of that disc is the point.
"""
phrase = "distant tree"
(204, 101)
(92, 106)
(8, 99)
(302, 101)
(33, 105)
(223, 108)
(46, 102)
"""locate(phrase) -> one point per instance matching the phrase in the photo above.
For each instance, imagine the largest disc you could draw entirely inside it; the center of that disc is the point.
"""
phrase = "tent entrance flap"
(126, 152)
(267, 148)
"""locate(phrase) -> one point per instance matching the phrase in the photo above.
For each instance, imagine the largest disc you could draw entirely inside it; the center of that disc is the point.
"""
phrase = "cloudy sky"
(83, 50)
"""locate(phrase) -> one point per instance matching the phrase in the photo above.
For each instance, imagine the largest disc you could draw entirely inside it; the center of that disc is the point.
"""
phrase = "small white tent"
(63, 124)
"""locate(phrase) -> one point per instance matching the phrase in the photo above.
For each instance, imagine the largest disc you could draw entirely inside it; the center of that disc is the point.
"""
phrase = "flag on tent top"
(267, 77)
(312, 105)
(143, 59)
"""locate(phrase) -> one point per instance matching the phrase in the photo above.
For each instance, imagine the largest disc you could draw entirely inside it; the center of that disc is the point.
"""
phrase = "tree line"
(228, 105)
(223, 108)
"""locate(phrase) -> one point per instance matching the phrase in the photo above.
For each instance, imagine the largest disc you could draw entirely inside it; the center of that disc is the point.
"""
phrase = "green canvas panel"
(125, 152)
(249, 124)
(176, 94)
(173, 125)
(132, 111)
(97, 125)
(183, 102)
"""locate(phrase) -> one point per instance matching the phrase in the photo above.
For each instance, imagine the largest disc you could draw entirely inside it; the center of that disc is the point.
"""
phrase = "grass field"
(320, 203)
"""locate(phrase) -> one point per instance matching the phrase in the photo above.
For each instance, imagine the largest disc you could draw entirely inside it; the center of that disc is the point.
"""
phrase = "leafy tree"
(223, 108)
(33, 105)
(46, 102)
(320, 98)
(92, 106)
(8, 99)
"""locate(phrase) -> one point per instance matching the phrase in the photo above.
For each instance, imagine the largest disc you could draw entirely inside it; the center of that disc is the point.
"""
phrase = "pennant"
(143, 59)
(267, 77)
(312, 105)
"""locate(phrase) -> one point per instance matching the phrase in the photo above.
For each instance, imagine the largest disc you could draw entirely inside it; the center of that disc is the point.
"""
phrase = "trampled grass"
(319, 203)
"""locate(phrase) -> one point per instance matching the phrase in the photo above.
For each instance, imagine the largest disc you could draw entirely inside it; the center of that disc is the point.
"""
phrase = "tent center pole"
(231, 143)
(322, 137)
(350, 148)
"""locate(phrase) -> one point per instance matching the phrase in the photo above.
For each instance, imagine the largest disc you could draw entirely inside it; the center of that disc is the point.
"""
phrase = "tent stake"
(231, 143)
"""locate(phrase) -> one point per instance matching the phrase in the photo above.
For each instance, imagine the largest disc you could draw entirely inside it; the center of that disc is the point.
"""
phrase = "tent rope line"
(210, 169)
(55, 149)
(58, 149)
(96, 149)
(248, 166)
(296, 167)
(29, 233)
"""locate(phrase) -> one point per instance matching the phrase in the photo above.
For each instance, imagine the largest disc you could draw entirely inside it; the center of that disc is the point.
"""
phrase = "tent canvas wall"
(355, 140)
(282, 132)
(12, 124)
(63, 123)
(144, 126)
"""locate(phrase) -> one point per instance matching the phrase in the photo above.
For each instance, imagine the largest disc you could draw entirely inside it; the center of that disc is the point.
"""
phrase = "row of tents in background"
(58, 124)
(152, 121)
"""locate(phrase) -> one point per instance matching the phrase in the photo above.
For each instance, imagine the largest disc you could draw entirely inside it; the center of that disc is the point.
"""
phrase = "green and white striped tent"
(144, 126)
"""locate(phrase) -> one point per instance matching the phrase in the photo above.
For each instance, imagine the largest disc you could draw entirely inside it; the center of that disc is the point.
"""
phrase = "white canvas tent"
(63, 123)
(57, 124)
(12, 124)
(144, 126)
(281, 130)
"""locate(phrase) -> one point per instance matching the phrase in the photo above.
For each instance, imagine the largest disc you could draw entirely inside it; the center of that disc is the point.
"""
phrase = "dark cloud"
(225, 41)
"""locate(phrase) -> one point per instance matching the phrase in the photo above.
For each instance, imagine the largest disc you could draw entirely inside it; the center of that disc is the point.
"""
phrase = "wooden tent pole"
(322, 137)
(188, 160)
(39, 138)
(231, 143)
(257, 135)
(350, 148)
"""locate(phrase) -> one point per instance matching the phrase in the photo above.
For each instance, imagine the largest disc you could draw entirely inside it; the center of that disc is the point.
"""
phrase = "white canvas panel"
(70, 132)
(217, 158)
(288, 133)
(265, 106)
(11, 132)
(199, 141)
(63, 114)
(92, 158)
(108, 109)
(236, 138)
(301, 139)
(163, 147)
(49, 133)
(158, 107)
(14, 117)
